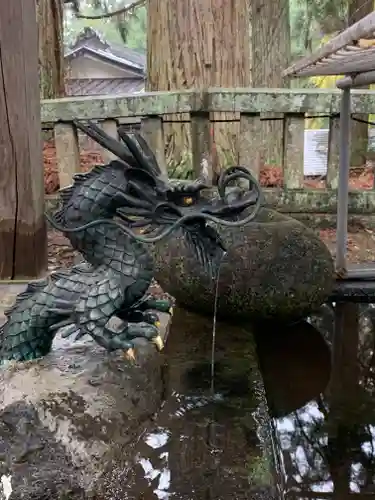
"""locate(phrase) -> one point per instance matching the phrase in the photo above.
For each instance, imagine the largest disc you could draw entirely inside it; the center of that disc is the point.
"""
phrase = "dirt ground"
(361, 242)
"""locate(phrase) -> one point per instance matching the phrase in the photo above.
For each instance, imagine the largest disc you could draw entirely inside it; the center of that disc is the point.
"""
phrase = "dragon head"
(153, 207)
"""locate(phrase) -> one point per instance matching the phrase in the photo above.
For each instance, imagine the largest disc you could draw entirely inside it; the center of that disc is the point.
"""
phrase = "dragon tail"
(19, 340)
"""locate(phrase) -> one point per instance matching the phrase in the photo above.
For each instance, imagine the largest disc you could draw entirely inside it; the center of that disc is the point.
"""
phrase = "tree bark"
(51, 49)
(197, 44)
(359, 131)
(270, 43)
(23, 245)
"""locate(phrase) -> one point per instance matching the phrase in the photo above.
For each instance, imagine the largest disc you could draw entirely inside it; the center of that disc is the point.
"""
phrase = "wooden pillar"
(23, 248)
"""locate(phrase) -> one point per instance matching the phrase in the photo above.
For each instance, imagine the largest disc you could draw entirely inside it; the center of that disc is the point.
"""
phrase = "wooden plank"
(110, 128)
(333, 153)
(67, 152)
(364, 271)
(251, 143)
(202, 146)
(23, 244)
(358, 30)
(294, 137)
(355, 291)
(153, 130)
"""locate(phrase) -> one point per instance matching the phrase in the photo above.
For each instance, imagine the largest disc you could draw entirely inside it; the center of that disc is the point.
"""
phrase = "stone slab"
(61, 415)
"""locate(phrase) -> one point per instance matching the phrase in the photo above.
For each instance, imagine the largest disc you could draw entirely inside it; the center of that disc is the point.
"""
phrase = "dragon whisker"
(168, 230)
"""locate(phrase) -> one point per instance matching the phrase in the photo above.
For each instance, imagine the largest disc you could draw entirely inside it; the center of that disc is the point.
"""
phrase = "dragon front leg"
(128, 316)
(91, 314)
(113, 340)
(151, 303)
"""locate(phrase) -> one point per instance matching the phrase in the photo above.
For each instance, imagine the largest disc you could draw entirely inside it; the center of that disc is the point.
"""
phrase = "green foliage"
(312, 20)
(129, 29)
(182, 170)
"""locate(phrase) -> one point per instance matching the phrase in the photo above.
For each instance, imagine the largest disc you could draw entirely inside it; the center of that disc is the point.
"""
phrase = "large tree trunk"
(22, 226)
(270, 42)
(359, 131)
(51, 51)
(197, 44)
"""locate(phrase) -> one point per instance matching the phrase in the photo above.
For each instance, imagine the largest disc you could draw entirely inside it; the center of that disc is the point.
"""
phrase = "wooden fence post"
(153, 130)
(67, 152)
(23, 243)
(110, 128)
(201, 142)
(333, 153)
(251, 144)
(294, 134)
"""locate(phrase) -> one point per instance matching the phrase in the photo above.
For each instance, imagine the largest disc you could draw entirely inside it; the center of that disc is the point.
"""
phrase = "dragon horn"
(106, 141)
(141, 151)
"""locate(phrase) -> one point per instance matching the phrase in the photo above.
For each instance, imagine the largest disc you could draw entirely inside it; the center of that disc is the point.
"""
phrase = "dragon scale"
(98, 215)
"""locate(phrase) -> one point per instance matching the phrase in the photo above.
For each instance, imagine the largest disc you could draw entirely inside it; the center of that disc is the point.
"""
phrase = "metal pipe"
(343, 184)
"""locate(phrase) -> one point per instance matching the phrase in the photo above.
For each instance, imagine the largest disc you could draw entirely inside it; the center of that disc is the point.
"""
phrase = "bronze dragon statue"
(109, 215)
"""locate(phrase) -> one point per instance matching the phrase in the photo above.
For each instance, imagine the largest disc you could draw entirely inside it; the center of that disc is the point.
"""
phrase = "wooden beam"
(245, 100)
(22, 226)
(360, 80)
(361, 29)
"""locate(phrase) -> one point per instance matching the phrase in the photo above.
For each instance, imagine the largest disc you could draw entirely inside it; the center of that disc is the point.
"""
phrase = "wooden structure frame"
(351, 53)
(23, 239)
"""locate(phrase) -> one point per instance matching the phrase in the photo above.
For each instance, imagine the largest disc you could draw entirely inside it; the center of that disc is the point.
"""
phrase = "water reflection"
(206, 445)
(324, 427)
(6, 485)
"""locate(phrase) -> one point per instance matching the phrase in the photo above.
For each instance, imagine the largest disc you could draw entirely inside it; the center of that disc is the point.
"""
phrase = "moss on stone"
(275, 267)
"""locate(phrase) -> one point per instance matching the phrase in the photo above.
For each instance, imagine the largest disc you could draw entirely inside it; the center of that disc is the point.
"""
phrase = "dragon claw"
(158, 341)
(130, 355)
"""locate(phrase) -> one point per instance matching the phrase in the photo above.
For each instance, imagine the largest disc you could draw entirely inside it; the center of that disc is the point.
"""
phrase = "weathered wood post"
(23, 248)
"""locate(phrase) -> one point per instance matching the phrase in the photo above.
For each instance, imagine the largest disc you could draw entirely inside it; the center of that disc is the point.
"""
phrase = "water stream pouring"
(211, 425)
(214, 324)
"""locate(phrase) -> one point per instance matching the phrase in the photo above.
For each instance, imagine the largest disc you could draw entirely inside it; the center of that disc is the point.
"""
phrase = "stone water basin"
(82, 424)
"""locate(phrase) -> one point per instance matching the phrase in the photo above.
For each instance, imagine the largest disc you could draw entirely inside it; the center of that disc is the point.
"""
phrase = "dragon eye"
(187, 200)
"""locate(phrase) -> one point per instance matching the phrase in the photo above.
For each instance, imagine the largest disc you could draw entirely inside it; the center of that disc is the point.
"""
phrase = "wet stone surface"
(61, 416)
(35, 463)
(81, 424)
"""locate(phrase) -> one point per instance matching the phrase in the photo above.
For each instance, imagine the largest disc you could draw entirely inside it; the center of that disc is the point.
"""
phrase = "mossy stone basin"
(275, 267)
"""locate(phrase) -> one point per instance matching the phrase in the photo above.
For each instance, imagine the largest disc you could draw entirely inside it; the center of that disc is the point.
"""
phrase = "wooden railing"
(250, 106)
